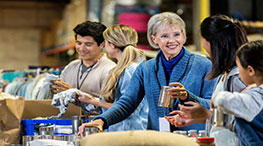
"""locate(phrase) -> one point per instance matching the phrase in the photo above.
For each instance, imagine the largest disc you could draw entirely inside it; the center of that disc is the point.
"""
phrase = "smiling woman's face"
(170, 39)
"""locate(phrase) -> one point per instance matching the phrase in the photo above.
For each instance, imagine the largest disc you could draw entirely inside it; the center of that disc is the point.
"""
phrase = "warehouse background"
(39, 32)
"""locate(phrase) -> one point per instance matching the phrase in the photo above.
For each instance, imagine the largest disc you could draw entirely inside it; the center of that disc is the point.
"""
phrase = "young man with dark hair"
(88, 72)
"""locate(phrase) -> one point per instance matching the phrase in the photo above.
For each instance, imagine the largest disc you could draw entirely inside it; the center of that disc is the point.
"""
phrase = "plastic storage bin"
(28, 126)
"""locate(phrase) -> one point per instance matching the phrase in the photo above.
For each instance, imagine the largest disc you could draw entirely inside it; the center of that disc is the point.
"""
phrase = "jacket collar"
(234, 71)
(178, 70)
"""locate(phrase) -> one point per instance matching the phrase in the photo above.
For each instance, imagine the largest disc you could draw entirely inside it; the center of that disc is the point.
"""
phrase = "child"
(247, 106)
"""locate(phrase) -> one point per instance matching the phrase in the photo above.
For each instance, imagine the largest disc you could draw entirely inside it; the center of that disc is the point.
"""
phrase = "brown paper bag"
(11, 111)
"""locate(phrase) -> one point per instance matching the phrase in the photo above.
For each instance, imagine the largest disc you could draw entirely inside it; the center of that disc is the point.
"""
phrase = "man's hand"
(59, 86)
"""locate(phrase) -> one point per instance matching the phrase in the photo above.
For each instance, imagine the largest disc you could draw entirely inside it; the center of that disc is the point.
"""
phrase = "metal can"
(42, 130)
(76, 122)
(165, 99)
(46, 130)
(75, 125)
(26, 140)
(177, 132)
(74, 139)
(220, 119)
(82, 119)
(90, 130)
(183, 133)
(202, 133)
(61, 137)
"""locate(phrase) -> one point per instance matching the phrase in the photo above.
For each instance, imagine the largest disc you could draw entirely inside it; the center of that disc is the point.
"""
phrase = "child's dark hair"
(93, 29)
(251, 53)
(225, 36)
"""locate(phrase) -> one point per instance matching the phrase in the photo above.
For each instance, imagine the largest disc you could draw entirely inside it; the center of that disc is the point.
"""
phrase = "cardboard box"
(43, 108)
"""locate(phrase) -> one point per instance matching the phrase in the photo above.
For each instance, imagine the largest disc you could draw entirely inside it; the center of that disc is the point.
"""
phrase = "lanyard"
(81, 83)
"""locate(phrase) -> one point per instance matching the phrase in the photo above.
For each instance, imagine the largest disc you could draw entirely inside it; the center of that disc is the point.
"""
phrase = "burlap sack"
(137, 138)
(11, 111)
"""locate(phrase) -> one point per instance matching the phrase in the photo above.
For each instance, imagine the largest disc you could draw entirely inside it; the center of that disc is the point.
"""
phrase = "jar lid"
(206, 139)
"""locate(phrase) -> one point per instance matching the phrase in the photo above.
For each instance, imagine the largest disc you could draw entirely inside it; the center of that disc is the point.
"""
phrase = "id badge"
(164, 125)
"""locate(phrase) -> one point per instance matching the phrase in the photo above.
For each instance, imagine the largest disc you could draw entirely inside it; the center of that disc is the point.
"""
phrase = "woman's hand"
(179, 120)
(97, 123)
(177, 92)
(193, 113)
(88, 98)
(59, 86)
(85, 97)
(195, 110)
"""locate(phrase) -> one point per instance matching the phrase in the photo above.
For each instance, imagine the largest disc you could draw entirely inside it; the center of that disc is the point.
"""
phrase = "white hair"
(161, 20)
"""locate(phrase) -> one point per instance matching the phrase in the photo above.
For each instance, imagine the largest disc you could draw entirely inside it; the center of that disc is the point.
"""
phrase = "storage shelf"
(59, 49)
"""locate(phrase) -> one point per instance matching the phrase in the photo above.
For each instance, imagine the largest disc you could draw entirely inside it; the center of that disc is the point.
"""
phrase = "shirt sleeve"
(244, 105)
(127, 103)
(206, 93)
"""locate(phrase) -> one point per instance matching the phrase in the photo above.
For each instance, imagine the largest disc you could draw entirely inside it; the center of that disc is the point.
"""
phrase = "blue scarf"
(168, 65)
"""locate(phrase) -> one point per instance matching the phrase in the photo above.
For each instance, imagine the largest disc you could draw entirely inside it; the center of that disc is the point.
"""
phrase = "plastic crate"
(28, 126)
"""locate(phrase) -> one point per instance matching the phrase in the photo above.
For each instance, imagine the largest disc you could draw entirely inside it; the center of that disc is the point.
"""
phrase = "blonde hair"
(125, 38)
(163, 19)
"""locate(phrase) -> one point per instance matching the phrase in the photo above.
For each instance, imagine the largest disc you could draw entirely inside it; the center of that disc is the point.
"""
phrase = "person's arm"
(205, 102)
(207, 88)
(244, 105)
(127, 103)
(204, 94)
(88, 98)
(195, 110)
(138, 119)
(184, 95)
(193, 113)
(122, 87)
(180, 92)
(181, 119)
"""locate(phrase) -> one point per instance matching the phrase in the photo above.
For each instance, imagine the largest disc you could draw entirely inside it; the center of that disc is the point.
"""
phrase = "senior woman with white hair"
(174, 65)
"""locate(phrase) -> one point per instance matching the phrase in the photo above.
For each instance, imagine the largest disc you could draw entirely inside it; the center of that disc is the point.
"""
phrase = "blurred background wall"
(39, 32)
